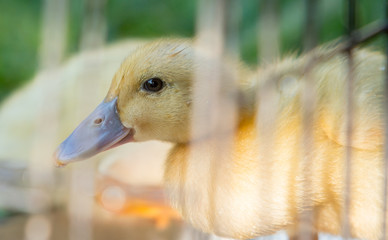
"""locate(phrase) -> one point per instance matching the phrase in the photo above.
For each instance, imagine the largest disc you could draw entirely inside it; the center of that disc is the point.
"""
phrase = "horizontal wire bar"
(364, 34)
(346, 44)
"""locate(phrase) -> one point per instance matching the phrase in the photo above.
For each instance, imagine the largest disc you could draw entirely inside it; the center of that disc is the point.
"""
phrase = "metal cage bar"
(308, 103)
(349, 110)
(385, 184)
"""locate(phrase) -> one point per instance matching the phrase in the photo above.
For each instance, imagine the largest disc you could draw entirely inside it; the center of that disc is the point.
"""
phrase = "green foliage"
(20, 27)
(19, 40)
(150, 18)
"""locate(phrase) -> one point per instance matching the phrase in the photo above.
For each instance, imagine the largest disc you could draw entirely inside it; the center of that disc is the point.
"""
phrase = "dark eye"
(153, 85)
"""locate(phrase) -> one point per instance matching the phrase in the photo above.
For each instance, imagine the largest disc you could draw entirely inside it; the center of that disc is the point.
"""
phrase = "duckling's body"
(242, 203)
(242, 197)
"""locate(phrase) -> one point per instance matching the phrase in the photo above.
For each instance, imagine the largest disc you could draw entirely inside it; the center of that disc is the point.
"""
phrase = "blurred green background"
(20, 24)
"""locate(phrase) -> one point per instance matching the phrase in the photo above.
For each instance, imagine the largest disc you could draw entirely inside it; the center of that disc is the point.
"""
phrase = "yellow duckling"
(150, 98)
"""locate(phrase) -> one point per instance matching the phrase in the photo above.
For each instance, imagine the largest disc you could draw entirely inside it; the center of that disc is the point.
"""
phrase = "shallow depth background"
(21, 27)
(120, 24)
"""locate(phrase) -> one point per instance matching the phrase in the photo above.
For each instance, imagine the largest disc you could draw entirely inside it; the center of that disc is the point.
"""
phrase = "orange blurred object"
(147, 202)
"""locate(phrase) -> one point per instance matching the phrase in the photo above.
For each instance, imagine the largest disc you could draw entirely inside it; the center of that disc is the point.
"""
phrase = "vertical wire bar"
(41, 174)
(351, 24)
(94, 24)
(210, 49)
(54, 33)
(268, 30)
(308, 102)
(82, 178)
(268, 103)
(351, 17)
(233, 18)
(311, 33)
(214, 106)
(81, 202)
(385, 184)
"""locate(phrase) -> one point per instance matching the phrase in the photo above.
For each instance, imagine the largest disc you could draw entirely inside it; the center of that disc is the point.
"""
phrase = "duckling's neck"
(218, 184)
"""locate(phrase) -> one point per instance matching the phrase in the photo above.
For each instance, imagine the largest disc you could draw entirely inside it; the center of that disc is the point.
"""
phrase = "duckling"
(150, 99)
(28, 127)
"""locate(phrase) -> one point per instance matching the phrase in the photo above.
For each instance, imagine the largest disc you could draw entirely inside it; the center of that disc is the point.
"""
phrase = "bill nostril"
(98, 121)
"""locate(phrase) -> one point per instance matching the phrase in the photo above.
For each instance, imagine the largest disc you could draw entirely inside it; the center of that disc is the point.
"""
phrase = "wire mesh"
(215, 111)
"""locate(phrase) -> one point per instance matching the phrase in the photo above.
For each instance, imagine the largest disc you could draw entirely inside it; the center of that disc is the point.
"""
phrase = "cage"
(113, 196)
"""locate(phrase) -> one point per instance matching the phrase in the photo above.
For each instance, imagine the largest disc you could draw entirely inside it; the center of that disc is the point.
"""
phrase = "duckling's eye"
(153, 85)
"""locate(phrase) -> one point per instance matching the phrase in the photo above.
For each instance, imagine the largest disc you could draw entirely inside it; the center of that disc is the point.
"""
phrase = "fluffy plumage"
(243, 197)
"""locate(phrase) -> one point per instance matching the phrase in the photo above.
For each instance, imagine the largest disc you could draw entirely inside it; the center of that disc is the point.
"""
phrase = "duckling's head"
(153, 91)
(149, 98)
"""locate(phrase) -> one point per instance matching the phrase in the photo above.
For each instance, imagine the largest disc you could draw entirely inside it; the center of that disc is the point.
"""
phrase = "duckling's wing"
(368, 108)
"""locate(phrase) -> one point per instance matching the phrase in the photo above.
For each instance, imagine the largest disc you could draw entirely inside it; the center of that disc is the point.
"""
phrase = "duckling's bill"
(100, 131)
